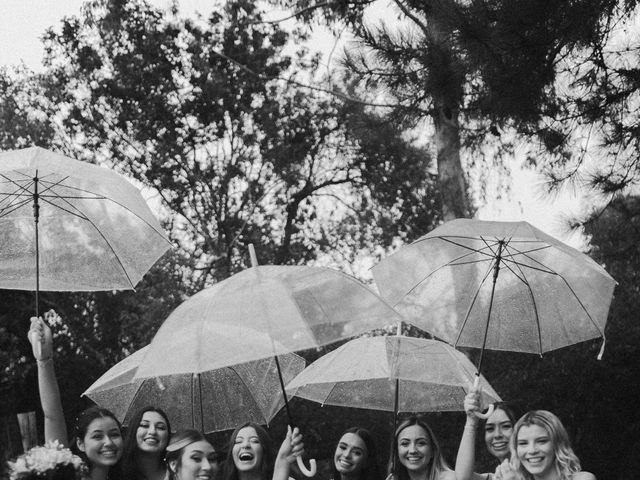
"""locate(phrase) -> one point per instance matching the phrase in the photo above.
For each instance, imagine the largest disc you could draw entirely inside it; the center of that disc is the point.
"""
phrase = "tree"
(199, 114)
(23, 110)
(492, 74)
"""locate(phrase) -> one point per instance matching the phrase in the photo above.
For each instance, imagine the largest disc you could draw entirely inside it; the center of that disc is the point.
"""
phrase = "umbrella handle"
(308, 472)
(492, 407)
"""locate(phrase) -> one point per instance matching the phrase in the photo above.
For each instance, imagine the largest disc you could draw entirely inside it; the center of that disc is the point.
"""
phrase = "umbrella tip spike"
(252, 255)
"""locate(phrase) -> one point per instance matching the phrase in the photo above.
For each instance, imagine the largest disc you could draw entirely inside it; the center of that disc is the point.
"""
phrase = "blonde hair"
(437, 466)
(565, 460)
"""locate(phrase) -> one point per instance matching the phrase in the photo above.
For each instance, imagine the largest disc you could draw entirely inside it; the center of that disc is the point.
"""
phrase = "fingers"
(36, 330)
(472, 402)
(504, 471)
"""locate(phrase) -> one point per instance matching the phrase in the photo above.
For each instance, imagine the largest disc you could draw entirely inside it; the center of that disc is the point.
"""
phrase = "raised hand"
(472, 403)
(41, 339)
(505, 471)
(292, 446)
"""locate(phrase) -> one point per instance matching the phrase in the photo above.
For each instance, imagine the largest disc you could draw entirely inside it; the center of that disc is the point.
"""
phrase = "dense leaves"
(188, 109)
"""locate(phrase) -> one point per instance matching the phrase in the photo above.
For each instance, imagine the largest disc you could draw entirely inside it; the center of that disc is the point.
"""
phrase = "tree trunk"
(453, 187)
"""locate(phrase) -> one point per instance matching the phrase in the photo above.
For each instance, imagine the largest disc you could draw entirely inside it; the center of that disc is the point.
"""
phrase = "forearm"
(281, 469)
(54, 423)
(465, 459)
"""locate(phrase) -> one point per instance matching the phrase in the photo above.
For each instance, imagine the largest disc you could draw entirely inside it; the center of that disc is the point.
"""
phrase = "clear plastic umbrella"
(499, 286)
(396, 374)
(67, 225)
(392, 373)
(211, 400)
(274, 309)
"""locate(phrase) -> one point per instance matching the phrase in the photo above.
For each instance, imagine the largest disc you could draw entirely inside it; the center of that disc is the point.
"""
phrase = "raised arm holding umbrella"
(72, 226)
(497, 286)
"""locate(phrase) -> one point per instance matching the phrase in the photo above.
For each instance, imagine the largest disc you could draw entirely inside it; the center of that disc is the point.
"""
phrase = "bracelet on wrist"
(44, 361)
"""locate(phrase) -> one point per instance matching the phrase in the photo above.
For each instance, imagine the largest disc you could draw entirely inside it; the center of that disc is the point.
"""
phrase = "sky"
(23, 22)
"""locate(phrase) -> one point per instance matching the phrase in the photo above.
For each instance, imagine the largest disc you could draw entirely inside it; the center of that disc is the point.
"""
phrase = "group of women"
(536, 447)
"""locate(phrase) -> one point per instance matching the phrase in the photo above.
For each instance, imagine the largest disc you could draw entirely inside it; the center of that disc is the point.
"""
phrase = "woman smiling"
(250, 456)
(417, 454)
(190, 456)
(540, 450)
(145, 444)
(355, 456)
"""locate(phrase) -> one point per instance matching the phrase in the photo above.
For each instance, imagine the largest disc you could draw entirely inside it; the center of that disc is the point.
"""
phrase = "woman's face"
(247, 450)
(351, 455)
(414, 448)
(197, 462)
(497, 432)
(102, 444)
(152, 435)
(535, 450)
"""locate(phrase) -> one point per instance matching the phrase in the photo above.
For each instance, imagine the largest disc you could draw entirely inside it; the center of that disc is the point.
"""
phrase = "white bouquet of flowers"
(51, 462)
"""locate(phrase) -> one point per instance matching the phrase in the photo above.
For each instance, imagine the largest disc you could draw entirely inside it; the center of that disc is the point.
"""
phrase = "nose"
(347, 453)
(206, 465)
(108, 440)
(152, 429)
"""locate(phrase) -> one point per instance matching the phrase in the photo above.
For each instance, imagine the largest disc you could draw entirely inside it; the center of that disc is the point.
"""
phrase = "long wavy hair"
(565, 460)
(371, 470)
(437, 465)
(131, 452)
(80, 430)
(230, 472)
(508, 410)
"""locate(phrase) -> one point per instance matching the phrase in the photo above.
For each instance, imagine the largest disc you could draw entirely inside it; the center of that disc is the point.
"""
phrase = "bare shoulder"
(583, 476)
(447, 475)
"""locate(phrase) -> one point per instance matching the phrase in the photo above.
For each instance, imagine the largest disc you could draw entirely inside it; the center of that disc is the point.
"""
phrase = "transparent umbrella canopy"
(211, 401)
(497, 285)
(274, 310)
(67, 225)
(392, 373)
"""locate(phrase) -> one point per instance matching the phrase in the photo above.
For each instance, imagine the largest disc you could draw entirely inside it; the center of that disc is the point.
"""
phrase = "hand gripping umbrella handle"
(491, 408)
(308, 472)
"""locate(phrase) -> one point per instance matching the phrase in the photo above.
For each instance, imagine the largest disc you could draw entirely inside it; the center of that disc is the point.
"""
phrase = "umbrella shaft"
(496, 272)
(284, 392)
(36, 217)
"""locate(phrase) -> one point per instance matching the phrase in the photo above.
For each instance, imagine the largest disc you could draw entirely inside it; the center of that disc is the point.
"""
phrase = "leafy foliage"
(188, 110)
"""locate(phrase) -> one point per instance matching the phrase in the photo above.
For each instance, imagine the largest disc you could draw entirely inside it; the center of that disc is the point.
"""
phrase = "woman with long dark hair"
(145, 444)
(497, 428)
(97, 433)
(355, 456)
(250, 455)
